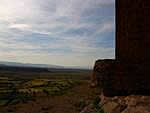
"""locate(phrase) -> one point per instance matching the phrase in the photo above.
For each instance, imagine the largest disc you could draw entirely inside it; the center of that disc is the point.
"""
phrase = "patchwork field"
(16, 91)
(45, 92)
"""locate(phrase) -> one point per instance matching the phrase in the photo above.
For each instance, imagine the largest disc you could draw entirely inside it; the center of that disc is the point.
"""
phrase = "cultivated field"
(57, 91)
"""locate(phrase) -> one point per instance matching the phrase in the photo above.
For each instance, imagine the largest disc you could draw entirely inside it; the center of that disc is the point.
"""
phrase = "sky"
(59, 32)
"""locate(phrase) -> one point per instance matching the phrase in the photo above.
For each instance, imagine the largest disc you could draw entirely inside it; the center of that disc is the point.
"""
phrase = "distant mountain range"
(28, 65)
(4, 63)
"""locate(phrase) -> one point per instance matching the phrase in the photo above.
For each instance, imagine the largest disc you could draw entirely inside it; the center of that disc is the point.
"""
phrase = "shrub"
(80, 105)
(97, 106)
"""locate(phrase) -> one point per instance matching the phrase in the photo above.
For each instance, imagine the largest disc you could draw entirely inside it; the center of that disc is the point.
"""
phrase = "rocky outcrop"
(126, 104)
(121, 104)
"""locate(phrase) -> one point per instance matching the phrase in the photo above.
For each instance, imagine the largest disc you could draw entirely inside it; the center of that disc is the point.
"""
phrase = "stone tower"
(129, 73)
(133, 43)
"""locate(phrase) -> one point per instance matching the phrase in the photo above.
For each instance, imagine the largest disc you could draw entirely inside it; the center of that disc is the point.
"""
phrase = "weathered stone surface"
(136, 110)
(126, 104)
(88, 109)
(101, 69)
(110, 106)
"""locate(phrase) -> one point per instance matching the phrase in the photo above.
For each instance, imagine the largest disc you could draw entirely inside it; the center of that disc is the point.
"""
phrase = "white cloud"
(51, 19)
(20, 26)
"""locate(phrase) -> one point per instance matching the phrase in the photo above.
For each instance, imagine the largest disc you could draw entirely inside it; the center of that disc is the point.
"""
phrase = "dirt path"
(70, 102)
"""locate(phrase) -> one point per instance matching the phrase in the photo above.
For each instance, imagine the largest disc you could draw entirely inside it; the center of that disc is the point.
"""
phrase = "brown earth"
(72, 101)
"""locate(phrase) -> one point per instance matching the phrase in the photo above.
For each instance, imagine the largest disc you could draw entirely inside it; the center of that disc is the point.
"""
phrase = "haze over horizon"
(58, 32)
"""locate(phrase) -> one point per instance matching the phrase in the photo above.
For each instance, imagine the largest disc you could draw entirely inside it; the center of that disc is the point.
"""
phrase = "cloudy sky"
(60, 32)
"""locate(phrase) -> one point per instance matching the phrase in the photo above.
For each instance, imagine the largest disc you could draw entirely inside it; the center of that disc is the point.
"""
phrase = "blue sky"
(60, 32)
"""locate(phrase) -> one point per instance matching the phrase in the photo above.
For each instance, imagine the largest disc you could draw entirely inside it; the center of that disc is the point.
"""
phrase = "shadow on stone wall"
(117, 79)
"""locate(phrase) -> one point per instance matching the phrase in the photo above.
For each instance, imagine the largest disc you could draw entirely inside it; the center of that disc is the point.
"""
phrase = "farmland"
(19, 90)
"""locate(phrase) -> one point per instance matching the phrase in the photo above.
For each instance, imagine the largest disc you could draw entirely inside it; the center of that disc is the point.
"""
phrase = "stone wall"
(119, 79)
(129, 72)
(102, 68)
(133, 45)
(132, 31)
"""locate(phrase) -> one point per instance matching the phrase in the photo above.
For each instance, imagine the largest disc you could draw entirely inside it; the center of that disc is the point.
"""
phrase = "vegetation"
(14, 92)
(31, 88)
(97, 106)
(80, 104)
